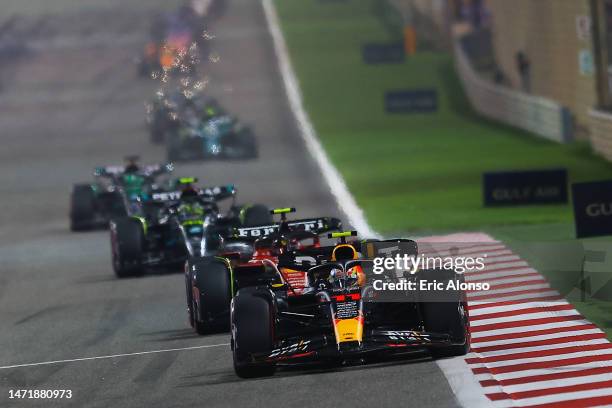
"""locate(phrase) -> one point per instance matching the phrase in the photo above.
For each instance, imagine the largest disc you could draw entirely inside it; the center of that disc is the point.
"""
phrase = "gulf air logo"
(599, 210)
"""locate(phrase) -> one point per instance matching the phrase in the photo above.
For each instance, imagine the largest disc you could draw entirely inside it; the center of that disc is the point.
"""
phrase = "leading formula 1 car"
(93, 205)
(171, 46)
(339, 317)
(211, 282)
(175, 225)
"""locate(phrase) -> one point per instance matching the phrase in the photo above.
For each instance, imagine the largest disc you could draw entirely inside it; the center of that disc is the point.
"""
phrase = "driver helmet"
(191, 209)
(357, 274)
(131, 165)
(353, 276)
(210, 112)
(279, 245)
(189, 194)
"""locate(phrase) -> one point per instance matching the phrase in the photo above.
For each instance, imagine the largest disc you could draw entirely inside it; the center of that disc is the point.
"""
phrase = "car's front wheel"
(127, 245)
(211, 293)
(82, 207)
(252, 333)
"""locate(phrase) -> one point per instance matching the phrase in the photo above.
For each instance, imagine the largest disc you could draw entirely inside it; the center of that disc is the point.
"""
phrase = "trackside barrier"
(535, 114)
(601, 132)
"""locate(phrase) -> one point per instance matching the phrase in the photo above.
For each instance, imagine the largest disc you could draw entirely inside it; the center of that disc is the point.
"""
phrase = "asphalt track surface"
(74, 103)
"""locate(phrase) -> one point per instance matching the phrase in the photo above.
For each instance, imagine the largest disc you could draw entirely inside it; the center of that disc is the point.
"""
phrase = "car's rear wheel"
(82, 207)
(189, 293)
(127, 244)
(257, 214)
(445, 312)
(252, 333)
(241, 145)
(211, 294)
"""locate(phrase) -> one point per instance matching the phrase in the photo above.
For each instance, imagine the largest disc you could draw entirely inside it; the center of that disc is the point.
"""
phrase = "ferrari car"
(340, 317)
(175, 225)
(211, 282)
(112, 193)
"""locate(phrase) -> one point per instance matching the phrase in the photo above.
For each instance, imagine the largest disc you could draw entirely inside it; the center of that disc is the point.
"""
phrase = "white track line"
(140, 353)
(542, 359)
(520, 340)
(346, 202)
(496, 275)
(496, 308)
(526, 296)
(569, 396)
(543, 371)
(525, 317)
(547, 347)
(504, 265)
(529, 328)
(504, 292)
(540, 385)
(502, 279)
(464, 384)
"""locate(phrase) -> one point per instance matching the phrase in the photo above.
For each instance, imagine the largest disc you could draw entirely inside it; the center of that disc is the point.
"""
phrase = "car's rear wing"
(316, 225)
(219, 193)
(148, 170)
(216, 193)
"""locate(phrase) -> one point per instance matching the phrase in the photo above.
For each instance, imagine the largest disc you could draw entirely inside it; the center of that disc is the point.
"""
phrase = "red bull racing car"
(338, 316)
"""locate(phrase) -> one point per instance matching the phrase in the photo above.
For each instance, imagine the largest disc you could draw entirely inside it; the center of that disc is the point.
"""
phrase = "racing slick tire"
(445, 312)
(252, 332)
(240, 145)
(189, 293)
(211, 293)
(127, 245)
(257, 214)
(82, 208)
(173, 148)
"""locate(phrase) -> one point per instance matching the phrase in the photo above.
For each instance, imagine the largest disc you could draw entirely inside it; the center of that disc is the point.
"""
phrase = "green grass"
(421, 174)
(411, 172)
